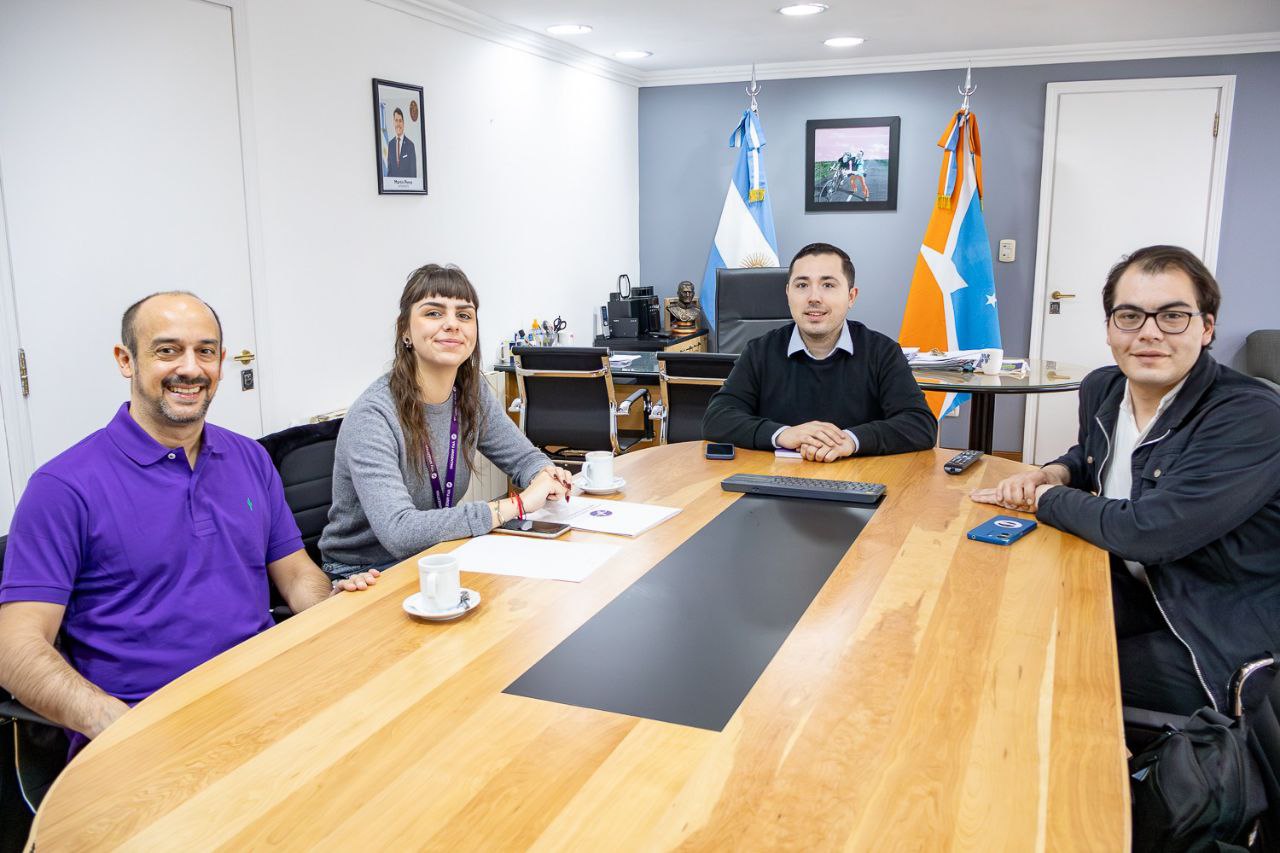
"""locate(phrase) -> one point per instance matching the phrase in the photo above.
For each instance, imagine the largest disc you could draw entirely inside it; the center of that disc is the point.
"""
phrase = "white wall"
(532, 173)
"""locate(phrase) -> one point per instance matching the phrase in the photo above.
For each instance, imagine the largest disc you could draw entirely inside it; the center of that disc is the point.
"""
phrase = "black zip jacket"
(1203, 516)
(871, 392)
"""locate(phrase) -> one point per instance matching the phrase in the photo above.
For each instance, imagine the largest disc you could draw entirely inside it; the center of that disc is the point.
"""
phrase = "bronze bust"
(684, 312)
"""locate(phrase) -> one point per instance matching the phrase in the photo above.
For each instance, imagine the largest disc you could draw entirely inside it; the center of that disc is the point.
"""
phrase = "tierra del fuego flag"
(952, 302)
(745, 235)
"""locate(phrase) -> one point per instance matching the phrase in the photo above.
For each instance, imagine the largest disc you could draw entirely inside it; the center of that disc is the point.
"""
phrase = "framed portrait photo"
(851, 164)
(400, 138)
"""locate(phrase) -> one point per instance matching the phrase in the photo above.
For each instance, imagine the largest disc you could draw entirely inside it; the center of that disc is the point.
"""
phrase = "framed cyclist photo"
(851, 164)
(399, 138)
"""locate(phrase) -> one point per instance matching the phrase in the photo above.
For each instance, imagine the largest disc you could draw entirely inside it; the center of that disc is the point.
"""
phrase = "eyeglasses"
(1169, 322)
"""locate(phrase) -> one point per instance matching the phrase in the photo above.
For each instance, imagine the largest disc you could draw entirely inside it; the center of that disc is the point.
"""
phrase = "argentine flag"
(952, 302)
(745, 236)
(386, 138)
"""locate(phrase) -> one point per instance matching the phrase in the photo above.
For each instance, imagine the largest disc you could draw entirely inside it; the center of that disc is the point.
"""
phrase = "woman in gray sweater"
(404, 452)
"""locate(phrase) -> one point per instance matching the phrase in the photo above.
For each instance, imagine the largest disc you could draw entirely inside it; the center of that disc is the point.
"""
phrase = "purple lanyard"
(444, 493)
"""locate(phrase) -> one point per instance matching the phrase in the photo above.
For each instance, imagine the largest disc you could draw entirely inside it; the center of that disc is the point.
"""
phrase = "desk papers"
(619, 360)
(951, 360)
(617, 517)
(523, 557)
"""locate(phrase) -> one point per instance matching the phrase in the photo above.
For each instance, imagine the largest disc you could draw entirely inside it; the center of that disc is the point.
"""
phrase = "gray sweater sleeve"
(373, 450)
(503, 444)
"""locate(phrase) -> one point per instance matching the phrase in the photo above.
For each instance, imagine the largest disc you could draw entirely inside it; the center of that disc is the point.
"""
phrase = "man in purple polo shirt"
(149, 543)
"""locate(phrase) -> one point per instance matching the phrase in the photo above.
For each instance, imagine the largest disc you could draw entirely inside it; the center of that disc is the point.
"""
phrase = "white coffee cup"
(994, 358)
(438, 580)
(598, 469)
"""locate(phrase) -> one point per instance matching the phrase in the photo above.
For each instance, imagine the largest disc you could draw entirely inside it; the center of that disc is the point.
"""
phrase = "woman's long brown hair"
(424, 282)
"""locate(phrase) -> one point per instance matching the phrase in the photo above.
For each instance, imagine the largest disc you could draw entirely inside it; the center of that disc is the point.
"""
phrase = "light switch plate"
(1008, 251)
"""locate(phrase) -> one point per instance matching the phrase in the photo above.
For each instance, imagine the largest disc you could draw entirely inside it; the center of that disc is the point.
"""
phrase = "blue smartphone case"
(1002, 530)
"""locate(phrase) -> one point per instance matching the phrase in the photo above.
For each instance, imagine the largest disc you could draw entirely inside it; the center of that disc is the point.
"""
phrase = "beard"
(161, 408)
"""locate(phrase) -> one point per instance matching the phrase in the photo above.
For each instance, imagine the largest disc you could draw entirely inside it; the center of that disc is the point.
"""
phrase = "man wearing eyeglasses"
(1176, 473)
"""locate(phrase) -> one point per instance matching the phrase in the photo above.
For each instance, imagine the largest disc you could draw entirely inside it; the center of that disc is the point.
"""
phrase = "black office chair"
(749, 302)
(686, 381)
(567, 402)
(304, 457)
(33, 752)
(1262, 356)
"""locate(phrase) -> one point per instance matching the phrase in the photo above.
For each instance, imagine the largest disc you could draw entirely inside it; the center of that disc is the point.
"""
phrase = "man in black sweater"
(824, 385)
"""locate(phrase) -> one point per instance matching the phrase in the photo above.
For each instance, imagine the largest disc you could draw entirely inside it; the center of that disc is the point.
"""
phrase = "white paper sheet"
(617, 517)
(524, 557)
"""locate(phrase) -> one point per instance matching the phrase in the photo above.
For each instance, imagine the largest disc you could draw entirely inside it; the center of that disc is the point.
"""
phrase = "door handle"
(245, 356)
(1058, 294)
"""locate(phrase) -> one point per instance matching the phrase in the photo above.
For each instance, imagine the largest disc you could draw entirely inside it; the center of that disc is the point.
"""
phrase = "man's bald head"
(129, 322)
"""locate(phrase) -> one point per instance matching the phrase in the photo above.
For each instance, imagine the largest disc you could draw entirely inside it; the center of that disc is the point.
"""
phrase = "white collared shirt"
(796, 344)
(1118, 484)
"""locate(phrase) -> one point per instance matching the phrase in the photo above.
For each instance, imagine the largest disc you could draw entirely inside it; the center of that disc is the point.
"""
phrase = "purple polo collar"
(135, 443)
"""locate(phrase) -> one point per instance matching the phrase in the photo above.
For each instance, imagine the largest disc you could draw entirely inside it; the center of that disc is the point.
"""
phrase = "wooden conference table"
(938, 693)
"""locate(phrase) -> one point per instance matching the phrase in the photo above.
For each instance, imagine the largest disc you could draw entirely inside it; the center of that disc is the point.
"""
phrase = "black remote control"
(961, 461)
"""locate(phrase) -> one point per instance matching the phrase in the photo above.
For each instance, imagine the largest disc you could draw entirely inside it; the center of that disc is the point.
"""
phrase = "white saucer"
(618, 485)
(413, 606)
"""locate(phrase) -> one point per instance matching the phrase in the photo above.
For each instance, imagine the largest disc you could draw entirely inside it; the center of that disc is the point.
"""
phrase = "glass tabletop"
(1042, 376)
(640, 364)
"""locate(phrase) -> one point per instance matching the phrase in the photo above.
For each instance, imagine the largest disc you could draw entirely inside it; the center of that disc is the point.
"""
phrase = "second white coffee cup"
(439, 581)
(597, 470)
(994, 359)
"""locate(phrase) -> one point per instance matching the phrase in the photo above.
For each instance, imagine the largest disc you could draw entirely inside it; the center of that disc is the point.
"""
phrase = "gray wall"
(685, 165)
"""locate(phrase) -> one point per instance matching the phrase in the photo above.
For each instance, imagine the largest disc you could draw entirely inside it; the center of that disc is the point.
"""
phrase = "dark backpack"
(1196, 788)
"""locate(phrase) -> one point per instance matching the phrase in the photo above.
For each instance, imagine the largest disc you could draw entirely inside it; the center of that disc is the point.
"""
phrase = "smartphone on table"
(1002, 530)
(717, 450)
(529, 527)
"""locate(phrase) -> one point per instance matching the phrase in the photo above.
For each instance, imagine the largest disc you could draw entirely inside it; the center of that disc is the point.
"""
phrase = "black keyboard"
(805, 487)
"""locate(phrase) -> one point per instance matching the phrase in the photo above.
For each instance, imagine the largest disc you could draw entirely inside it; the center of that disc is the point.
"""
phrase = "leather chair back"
(304, 457)
(749, 302)
(571, 409)
(688, 380)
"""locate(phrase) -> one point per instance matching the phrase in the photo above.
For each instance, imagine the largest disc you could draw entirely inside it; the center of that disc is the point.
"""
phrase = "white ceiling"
(684, 35)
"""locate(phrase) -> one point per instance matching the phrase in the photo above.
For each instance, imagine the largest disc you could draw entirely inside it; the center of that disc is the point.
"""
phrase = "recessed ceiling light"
(803, 9)
(844, 41)
(632, 54)
(569, 30)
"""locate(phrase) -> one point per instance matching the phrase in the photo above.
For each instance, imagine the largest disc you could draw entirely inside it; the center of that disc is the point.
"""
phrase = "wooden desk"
(938, 694)
(695, 341)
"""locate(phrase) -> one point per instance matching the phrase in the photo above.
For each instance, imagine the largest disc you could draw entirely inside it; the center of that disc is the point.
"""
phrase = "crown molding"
(1101, 52)
(464, 20)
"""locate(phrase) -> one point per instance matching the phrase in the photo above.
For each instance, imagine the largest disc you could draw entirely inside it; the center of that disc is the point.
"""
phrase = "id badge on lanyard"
(443, 491)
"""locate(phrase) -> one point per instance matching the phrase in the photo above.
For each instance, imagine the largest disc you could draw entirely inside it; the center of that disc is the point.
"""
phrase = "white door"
(1127, 163)
(121, 167)
(6, 479)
